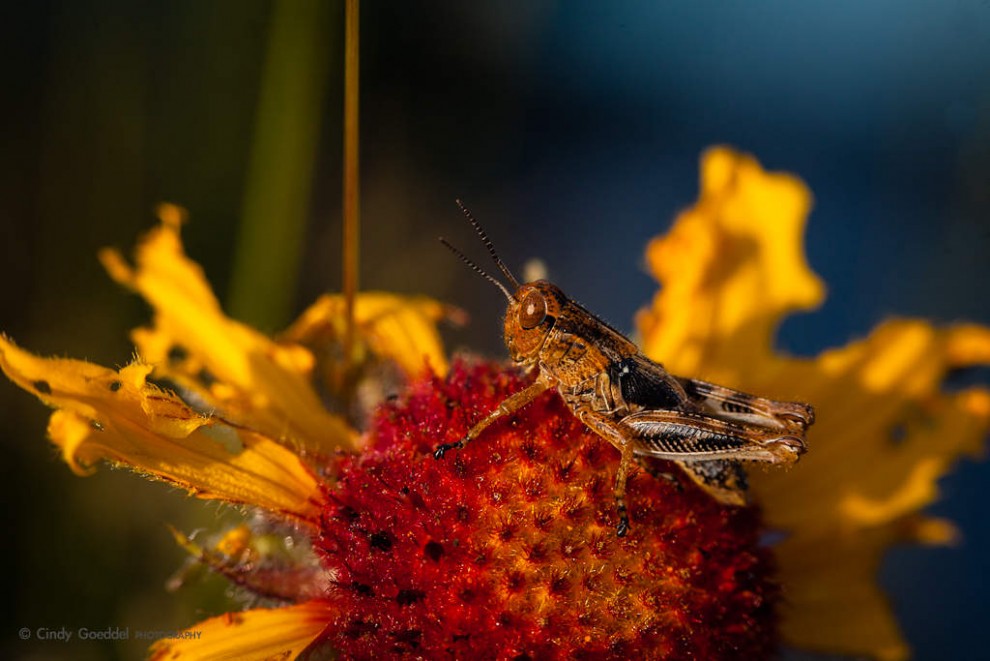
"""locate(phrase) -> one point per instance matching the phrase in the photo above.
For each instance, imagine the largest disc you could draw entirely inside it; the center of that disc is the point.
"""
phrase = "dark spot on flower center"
(410, 637)
(42, 387)
(358, 628)
(542, 519)
(483, 556)
(564, 470)
(507, 532)
(620, 649)
(177, 353)
(515, 581)
(433, 551)
(115, 386)
(559, 584)
(406, 597)
(363, 590)
(381, 540)
(537, 553)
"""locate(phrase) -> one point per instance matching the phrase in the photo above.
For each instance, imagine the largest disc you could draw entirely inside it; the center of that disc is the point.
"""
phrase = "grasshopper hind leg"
(608, 430)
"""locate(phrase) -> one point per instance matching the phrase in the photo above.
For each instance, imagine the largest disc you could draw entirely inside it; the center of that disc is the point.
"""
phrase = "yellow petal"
(253, 635)
(119, 417)
(398, 328)
(731, 268)
(254, 381)
(843, 609)
(884, 432)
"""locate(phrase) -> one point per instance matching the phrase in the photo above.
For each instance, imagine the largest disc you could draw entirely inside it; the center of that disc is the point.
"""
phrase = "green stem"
(283, 157)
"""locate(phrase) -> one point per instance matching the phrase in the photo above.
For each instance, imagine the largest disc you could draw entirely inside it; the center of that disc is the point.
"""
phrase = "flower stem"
(352, 208)
(283, 157)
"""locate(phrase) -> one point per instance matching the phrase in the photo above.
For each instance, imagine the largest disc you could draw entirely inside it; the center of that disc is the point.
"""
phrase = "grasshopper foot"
(442, 450)
(623, 519)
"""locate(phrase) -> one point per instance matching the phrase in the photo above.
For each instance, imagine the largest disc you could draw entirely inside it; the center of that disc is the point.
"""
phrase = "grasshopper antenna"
(477, 269)
(488, 244)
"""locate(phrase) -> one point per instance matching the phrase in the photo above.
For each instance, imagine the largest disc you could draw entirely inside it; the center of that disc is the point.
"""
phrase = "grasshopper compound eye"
(532, 310)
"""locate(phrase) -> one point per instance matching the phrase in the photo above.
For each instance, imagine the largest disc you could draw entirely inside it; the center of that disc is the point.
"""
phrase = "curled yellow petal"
(253, 380)
(731, 268)
(398, 328)
(117, 416)
(253, 635)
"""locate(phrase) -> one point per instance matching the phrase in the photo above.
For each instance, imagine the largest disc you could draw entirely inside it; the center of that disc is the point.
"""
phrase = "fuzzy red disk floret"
(507, 548)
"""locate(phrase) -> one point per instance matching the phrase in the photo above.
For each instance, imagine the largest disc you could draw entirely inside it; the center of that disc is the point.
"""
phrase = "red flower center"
(507, 548)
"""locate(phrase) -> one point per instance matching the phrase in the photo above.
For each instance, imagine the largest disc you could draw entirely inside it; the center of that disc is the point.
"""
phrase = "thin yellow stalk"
(352, 209)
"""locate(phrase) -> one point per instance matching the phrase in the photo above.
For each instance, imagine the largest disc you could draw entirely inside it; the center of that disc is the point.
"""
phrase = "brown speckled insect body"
(633, 402)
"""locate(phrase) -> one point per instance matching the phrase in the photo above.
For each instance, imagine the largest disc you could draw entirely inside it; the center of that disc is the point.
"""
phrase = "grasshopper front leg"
(507, 407)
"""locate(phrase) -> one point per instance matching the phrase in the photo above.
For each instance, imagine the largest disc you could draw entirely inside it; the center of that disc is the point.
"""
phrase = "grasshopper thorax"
(529, 318)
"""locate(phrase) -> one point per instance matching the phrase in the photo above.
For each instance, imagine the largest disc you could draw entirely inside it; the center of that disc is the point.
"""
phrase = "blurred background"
(571, 129)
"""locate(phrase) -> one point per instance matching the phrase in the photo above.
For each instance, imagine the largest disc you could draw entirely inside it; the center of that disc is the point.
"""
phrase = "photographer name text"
(65, 634)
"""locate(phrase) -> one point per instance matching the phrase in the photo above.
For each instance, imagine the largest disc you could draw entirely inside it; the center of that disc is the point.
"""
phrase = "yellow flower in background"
(253, 428)
(731, 268)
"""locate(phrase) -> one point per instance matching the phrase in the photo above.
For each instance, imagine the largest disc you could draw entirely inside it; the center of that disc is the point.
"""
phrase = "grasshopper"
(631, 401)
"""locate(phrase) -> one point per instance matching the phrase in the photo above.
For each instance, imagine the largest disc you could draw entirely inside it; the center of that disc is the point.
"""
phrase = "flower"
(732, 267)
(510, 545)
(507, 548)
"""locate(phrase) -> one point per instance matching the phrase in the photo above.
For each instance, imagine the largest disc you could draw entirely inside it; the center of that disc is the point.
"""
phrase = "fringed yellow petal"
(253, 635)
(884, 432)
(254, 381)
(883, 438)
(119, 417)
(398, 328)
(731, 268)
(843, 610)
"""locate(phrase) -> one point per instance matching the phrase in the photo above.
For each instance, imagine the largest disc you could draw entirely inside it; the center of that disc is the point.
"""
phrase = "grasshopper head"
(531, 314)
(533, 309)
